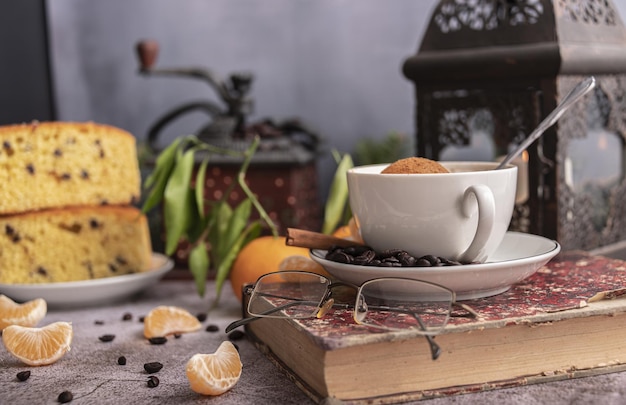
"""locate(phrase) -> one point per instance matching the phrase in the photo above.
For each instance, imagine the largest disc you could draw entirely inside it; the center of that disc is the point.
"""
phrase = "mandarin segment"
(28, 314)
(167, 320)
(214, 373)
(38, 346)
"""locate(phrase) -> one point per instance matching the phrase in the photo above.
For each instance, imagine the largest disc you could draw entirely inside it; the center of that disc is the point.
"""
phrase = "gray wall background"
(336, 64)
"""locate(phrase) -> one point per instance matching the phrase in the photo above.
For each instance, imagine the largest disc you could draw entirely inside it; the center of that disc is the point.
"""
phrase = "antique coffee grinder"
(283, 170)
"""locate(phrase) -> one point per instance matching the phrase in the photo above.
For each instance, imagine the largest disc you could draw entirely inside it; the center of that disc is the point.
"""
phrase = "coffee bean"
(212, 328)
(65, 397)
(406, 260)
(340, 257)
(153, 381)
(121, 361)
(23, 375)
(161, 340)
(127, 316)
(106, 338)
(152, 367)
(432, 259)
(366, 256)
(389, 253)
(391, 259)
(356, 250)
(201, 316)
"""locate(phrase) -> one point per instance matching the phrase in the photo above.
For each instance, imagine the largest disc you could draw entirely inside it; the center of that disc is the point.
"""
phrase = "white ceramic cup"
(462, 215)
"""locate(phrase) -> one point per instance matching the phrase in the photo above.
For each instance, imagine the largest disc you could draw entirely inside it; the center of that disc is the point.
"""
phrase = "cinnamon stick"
(315, 240)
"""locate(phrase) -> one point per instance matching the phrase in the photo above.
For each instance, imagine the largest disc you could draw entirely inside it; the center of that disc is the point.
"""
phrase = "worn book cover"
(565, 321)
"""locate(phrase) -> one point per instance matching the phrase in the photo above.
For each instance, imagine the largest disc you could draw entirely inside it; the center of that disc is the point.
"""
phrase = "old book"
(565, 321)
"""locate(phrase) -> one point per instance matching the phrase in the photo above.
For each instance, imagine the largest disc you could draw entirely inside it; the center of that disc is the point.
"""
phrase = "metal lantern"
(488, 71)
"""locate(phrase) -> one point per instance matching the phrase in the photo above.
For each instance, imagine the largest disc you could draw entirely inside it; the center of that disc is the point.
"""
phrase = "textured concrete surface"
(90, 370)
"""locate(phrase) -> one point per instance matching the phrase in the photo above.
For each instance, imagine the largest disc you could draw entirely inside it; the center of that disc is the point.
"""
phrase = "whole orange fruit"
(267, 254)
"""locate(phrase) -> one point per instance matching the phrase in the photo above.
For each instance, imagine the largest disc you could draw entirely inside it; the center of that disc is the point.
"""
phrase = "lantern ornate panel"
(488, 71)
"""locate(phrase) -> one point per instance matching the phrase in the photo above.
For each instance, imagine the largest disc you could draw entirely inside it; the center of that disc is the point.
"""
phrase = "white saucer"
(519, 256)
(91, 292)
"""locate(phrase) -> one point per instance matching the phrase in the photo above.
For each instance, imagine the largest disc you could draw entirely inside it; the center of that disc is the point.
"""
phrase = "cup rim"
(489, 166)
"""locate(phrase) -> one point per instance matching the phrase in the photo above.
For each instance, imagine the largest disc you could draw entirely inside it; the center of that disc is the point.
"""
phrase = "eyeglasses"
(383, 303)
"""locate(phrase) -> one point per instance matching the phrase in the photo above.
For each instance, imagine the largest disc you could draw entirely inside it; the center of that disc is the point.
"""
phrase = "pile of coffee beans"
(366, 256)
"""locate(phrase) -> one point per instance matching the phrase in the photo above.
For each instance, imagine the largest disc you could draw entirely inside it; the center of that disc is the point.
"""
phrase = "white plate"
(519, 256)
(91, 292)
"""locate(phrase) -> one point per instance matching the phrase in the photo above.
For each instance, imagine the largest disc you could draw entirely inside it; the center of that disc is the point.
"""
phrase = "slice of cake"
(58, 164)
(79, 243)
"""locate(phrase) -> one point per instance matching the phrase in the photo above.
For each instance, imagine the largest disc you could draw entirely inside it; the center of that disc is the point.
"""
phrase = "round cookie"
(413, 165)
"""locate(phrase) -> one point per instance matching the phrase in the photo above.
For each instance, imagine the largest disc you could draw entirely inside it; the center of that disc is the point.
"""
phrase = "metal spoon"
(577, 92)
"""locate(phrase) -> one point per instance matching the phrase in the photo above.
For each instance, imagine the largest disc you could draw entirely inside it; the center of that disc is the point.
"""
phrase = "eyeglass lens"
(288, 294)
(401, 304)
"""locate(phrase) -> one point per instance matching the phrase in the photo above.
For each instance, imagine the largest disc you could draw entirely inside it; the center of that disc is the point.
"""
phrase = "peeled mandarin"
(38, 346)
(168, 320)
(214, 373)
(28, 314)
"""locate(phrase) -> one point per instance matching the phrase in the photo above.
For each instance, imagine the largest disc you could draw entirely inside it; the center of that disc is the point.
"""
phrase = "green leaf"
(157, 180)
(223, 213)
(200, 176)
(252, 231)
(236, 224)
(197, 224)
(178, 201)
(199, 266)
(338, 196)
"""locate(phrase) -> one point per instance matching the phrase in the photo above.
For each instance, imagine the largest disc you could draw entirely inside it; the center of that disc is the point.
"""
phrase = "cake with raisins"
(70, 244)
(66, 195)
(58, 164)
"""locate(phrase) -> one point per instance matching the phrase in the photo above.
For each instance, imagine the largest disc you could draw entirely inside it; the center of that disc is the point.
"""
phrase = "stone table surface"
(90, 370)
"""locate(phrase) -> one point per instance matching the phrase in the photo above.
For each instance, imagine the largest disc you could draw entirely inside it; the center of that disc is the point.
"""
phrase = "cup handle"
(486, 221)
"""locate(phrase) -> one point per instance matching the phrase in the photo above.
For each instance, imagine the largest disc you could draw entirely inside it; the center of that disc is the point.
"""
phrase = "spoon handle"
(577, 92)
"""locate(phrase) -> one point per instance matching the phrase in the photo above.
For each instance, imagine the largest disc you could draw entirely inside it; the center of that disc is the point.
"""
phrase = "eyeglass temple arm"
(435, 349)
(240, 322)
